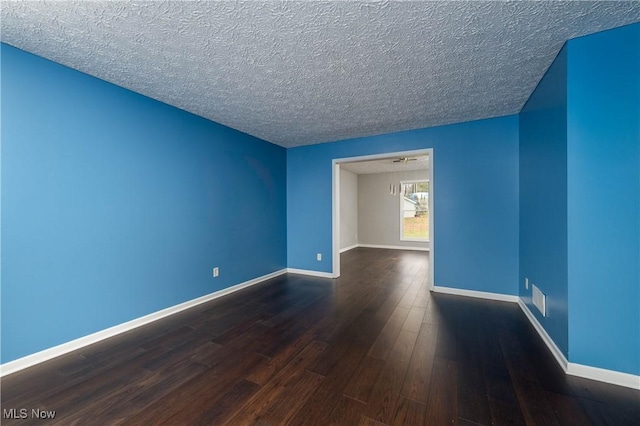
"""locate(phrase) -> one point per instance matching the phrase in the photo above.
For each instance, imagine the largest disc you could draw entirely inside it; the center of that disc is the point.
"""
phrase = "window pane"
(415, 210)
(415, 227)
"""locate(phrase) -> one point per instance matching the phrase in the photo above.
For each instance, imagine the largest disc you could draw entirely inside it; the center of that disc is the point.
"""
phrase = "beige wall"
(348, 209)
(379, 212)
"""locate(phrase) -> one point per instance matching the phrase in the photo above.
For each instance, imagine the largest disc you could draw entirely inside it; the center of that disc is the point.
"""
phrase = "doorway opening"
(404, 179)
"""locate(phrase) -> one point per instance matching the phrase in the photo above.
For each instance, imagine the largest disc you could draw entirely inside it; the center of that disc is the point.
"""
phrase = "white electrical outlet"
(319, 257)
(216, 272)
(526, 283)
(539, 300)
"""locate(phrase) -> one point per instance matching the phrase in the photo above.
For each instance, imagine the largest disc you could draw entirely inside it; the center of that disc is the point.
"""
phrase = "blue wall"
(543, 199)
(476, 200)
(604, 199)
(580, 199)
(115, 205)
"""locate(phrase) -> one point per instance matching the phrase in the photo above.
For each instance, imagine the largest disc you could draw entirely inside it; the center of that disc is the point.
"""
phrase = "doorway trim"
(335, 203)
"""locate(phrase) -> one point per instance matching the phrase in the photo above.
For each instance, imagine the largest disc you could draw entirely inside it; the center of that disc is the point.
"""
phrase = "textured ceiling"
(297, 73)
(386, 165)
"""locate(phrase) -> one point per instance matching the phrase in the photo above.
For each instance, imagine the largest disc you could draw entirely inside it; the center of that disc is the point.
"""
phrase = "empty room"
(320, 213)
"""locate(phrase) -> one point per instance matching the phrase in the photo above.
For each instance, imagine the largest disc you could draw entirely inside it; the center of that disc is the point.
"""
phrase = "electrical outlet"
(319, 257)
(216, 272)
(526, 283)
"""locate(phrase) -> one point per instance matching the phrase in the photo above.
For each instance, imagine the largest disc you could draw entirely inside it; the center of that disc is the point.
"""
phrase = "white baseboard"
(348, 248)
(476, 294)
(393, 247)
(47, 354)
(579, 370)
(608, 376)
(310, 273)
(587, 372)
(555, 350)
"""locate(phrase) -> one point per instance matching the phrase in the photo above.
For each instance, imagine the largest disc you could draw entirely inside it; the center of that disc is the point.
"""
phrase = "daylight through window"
(414, 210)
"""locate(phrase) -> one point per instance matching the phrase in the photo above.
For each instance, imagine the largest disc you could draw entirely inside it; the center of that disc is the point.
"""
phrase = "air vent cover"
(539, 300)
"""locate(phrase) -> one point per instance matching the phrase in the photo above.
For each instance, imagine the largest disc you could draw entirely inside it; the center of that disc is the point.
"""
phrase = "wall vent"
(539, 300)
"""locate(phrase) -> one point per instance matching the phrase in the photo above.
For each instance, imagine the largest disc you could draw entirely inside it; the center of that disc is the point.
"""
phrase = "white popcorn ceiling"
(387, 165)
(297, 73)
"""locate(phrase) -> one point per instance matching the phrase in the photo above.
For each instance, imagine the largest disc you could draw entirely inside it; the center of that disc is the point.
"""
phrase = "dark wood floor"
(371, 348)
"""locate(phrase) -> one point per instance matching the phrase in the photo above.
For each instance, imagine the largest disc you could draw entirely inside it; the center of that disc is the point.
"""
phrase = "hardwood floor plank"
(473, 403)
(547, 371)
(442, 407)
(162, 383)
(266, 372)
(410, 413)
(347, 412)
(367, 421)
(243, 344)
(381, 348)
(227, 406)
(418, 379)
(498, 382)
(422, 297)
(531, 397)
(413, 322)
(294, 397)
(273, 394)
(171, 339)
(364, 379)
(568, 410)
(361, 331)
(197, 395)
(127, 395)
(386, 392)
(329, 393)
(195, 347)
(447, 346)
(28, 386)
(503, 401)
(465, 422)
(600, 413)
(407, 299)
(97, 364)
(374, 346)
(275, 338)
(626, 404)
(433, 312)
(240, 328)
(505, 414)
(75, 394)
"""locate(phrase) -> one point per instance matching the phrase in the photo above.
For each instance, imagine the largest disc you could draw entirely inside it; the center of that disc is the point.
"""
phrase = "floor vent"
(539, 300)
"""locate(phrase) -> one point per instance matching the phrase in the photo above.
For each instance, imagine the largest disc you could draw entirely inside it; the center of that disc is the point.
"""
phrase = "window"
(414, 210)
